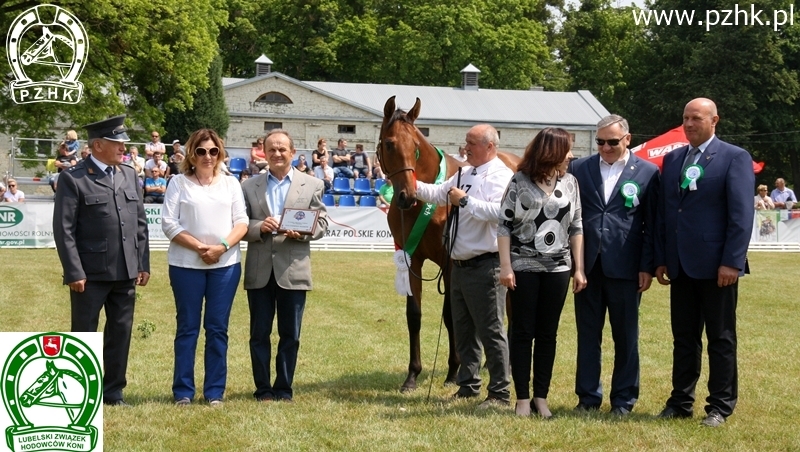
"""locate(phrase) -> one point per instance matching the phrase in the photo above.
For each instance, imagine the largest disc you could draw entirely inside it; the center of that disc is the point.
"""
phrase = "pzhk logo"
(40, 39)
(9, 217)
(52, 387)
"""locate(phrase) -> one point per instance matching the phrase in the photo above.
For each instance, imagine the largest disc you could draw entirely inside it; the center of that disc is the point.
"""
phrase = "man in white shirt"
(781, 194)
(157, 160)
(324, 172)
(477, 297)
(13, 194)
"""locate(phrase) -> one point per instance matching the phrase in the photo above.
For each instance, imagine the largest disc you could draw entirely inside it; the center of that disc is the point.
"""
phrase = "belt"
(474, 261)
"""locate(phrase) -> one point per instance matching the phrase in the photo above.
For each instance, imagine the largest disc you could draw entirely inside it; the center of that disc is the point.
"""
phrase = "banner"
(30, 225)
(776, 226)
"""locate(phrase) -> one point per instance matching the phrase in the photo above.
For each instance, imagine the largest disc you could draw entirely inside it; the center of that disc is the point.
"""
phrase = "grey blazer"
(100, 228)
(266, 253)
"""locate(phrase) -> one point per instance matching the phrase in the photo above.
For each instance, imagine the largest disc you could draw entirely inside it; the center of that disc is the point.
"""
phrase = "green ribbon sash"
(427, 211)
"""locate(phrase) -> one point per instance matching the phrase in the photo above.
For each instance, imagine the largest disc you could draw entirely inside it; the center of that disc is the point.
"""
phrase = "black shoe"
(118, 402)
(585, 408)
(714, 419)
(620, 411)
(672, 413)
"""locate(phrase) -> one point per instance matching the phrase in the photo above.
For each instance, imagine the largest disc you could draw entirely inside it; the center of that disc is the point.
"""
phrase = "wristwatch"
(463, 201)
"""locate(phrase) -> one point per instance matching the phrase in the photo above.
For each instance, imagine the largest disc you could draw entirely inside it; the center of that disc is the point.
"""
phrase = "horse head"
(404, 153)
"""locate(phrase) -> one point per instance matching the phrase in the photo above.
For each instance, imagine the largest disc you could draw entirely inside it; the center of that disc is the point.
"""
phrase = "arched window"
(274, 97)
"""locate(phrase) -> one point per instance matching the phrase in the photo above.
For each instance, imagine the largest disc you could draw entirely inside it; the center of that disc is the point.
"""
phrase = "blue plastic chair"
(237, 166)
(378, 184)
(328, 200)
(347, 201)
(341, 186)
(368, 201)
(361, 186)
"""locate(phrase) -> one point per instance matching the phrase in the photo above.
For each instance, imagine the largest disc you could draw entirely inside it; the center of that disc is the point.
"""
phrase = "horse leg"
(453, 361)
(414, 320)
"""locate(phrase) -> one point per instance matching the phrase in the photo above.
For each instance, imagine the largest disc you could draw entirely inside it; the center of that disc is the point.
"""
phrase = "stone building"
(353, 111)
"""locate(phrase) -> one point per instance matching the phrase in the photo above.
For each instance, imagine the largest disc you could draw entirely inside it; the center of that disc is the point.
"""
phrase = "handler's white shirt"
(477, 223)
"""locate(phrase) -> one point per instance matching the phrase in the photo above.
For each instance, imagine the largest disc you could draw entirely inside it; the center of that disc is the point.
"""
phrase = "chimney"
(536, 88)
(469, 77)
(263, 65)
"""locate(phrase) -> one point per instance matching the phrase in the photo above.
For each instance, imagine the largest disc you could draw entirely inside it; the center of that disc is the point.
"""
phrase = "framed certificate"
(303, 221)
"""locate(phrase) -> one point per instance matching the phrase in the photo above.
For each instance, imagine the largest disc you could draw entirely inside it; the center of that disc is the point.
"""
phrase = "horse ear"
(388, 109)
(413, 114)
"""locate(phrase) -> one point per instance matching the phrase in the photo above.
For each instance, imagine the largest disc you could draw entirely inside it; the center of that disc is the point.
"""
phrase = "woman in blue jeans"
(204, 218)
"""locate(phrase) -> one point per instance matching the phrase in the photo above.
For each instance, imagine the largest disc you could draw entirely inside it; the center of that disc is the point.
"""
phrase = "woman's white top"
(207, 212)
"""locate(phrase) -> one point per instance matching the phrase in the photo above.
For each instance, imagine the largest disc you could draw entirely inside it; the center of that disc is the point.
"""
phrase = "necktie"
(689, 159)
(110, 172)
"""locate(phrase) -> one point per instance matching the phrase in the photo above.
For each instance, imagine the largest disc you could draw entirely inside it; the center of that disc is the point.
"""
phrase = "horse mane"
(399, 115)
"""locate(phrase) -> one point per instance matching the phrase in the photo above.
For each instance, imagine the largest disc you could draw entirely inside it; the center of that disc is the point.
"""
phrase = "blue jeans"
(343, 171)
(190, 286)
(289, 305)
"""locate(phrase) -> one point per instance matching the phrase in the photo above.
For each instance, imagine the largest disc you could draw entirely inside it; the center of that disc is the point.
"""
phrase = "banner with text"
(30, 225)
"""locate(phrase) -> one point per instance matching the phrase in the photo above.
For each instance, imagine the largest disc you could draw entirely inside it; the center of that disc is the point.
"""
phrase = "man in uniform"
(100, 230)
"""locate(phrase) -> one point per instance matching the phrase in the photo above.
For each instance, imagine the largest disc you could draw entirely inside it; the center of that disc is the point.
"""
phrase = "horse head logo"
(58, 41)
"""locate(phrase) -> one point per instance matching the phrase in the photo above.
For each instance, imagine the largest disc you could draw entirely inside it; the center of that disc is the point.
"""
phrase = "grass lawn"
(353, 359)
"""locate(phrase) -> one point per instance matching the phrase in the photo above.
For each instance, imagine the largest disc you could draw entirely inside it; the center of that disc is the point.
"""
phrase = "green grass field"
(353, 359)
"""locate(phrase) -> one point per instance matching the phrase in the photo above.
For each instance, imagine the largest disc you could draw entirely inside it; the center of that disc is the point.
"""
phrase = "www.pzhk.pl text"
(718, 17)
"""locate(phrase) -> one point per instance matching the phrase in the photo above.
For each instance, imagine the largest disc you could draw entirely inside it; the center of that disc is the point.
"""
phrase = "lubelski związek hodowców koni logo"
(47, 48)
(52, 387)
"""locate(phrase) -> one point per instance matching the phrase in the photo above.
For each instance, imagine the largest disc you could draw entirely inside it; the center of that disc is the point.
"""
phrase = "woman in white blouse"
(762, 200)
(204, 218)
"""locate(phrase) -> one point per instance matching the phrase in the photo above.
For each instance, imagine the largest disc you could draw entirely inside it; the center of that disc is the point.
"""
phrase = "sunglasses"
(155, 136)
(201, 152)
(11, 186)
(613, 142)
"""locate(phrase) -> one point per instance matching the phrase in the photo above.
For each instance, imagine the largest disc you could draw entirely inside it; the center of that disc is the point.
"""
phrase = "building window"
(343, 128)
(499, 134)
(272, 125)
(273, 97)
(425, 131)
(572, 135)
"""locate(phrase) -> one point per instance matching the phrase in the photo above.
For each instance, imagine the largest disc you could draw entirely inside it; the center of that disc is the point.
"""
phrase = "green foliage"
(146, 328)
(207, 111)
(144, 57)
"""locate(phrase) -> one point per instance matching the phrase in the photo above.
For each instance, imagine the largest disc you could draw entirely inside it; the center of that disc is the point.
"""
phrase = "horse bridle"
(383, 162)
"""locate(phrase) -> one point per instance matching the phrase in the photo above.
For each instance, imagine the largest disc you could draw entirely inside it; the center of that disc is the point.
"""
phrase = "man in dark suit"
(618, 196)
(100, 230)
(277, 272)
(703, 227)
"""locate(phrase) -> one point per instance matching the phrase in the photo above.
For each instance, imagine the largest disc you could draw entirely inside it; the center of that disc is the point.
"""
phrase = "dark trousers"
(620, 298)
(264, 304)
(694, 304)
(118, 299)
(536, 305)
(477, 302)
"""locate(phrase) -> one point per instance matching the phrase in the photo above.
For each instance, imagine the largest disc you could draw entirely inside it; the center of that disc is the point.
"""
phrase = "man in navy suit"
(618, 195)
(703, 227)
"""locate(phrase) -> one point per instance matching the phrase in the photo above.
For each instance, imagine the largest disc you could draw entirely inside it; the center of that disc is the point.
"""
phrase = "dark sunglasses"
(155, 136)
(11, 186)
(601, 142)
(201, 152)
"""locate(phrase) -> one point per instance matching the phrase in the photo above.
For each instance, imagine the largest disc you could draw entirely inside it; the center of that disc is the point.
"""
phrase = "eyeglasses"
(155, 136)
(612, 142)
(11, 186)
(201, 152)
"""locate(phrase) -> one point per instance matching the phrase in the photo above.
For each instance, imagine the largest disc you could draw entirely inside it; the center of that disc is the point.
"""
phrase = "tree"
(208, 109)
(144, 58)
(600, 49)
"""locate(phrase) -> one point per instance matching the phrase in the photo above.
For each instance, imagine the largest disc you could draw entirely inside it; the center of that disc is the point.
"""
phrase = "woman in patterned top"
(540, 240)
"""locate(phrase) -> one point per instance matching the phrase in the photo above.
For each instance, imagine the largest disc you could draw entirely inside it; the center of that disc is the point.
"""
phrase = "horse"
(406, 156)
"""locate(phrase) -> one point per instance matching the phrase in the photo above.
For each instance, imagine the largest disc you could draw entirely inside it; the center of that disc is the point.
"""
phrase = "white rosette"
(401, 282)
(630, 191)
(691, 175)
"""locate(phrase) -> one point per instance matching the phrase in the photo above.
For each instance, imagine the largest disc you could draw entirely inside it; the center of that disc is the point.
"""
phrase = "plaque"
(299, 220)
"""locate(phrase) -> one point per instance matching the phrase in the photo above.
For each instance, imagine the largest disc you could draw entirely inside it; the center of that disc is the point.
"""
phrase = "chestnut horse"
(406, 156)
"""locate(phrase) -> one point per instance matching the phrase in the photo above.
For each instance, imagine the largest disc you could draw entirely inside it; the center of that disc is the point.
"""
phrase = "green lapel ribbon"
(427, 211)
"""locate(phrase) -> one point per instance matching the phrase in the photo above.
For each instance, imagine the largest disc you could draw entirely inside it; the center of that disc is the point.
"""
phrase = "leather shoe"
(620, 411)
(714, 419)
(672, 413)
(118, 402)
(585, 408)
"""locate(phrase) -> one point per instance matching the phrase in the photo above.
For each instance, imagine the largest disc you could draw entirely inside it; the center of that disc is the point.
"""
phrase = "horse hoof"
(406, 389)
(450, 382)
